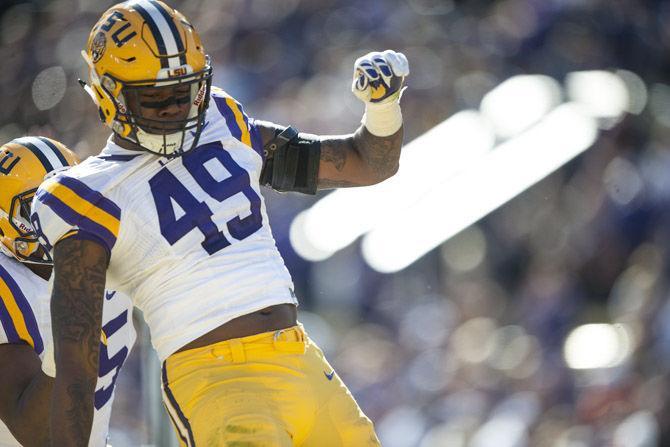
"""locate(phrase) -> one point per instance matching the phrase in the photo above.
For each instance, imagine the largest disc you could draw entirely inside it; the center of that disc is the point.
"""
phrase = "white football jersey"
(189, 237)
(25, 317)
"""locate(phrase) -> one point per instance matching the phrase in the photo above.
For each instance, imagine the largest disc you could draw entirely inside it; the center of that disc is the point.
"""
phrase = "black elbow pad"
(292, 163)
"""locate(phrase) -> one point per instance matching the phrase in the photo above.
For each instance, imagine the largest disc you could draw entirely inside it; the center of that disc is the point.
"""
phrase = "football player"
(25, 323)
(171, 213)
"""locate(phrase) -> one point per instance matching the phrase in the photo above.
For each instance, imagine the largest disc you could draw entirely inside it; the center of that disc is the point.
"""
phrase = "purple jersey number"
(113, 363)
(166, 189)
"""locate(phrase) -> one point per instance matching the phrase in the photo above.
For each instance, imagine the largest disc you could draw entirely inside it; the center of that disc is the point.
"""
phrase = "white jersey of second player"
(189, 236)
(25, 317)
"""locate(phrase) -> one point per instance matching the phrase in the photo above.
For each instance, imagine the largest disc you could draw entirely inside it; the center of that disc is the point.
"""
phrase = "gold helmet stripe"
(165, 32)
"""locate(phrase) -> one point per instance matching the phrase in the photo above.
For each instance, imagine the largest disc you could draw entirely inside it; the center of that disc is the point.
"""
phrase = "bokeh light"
(592, 346)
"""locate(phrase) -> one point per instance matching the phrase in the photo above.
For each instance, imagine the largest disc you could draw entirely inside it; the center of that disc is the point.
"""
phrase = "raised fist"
(378, 77)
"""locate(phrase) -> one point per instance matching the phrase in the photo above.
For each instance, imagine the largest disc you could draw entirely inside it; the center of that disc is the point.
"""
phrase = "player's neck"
(41, 270)
(125, 143)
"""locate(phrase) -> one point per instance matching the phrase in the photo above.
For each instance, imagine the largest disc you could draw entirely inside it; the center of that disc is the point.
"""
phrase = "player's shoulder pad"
(237, 122)
(90, 181)
(218, 92)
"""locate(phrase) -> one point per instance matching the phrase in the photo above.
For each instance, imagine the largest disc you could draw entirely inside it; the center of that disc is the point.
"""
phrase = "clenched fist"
(379, 77)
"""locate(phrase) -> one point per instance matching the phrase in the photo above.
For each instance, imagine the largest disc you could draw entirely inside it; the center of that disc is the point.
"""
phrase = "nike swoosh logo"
(109, 295)
(329, 376)
(203, 128)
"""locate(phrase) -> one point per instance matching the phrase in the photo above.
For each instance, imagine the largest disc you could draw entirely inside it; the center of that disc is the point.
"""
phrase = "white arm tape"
(382, 120)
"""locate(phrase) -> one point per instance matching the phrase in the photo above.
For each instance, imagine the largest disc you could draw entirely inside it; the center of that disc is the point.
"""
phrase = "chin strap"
(166, 145)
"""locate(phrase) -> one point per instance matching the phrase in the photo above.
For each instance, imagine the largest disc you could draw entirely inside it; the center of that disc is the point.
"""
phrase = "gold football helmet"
(24, 164)
(140, 46)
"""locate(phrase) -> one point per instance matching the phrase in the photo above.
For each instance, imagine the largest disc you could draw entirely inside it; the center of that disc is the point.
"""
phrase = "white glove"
(378, 80)
(379, 77)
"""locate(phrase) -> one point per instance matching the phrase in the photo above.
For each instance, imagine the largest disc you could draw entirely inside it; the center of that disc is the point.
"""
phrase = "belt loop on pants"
(289, 340)
(237, 351)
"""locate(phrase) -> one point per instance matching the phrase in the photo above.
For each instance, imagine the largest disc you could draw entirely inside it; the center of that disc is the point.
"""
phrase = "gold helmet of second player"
(143, 57)
(24, 164)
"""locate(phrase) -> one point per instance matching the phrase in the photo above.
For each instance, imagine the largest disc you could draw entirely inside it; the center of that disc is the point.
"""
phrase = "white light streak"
(603, 93)
(637, 91)
(449, 177)
(339, 218)
(301, 243)
(467, 197)
(519, 102)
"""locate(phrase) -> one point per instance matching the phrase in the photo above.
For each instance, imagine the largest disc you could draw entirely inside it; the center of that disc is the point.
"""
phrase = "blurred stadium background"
(547, 322)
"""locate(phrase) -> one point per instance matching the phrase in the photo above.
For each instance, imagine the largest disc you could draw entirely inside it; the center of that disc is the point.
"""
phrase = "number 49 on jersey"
(166, 188)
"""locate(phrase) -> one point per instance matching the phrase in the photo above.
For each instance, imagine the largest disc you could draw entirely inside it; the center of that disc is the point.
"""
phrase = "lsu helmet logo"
(98, 46)
(7, 162)
(179, 71)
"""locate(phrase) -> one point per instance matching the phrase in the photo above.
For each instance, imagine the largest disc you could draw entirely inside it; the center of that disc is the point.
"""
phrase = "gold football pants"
(265, 390)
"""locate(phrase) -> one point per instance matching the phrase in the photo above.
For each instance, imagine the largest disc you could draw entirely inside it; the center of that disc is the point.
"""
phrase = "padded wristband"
(292, 163)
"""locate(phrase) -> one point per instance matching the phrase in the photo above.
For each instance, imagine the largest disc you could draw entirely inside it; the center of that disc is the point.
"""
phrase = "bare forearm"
(380, 154)
(359, 159)
(31, 426)
(25, 392)
(72, 410)
(76, 310)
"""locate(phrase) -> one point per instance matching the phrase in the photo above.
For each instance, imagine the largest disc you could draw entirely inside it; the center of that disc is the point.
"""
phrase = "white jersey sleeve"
(65, 206)
(18, 316)
(24, 316)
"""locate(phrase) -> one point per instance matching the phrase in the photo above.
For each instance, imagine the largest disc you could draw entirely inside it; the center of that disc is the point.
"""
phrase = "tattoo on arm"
(380, 153)
(357, 159)
(79, 420)
(76, 314)
(75, 310)
(335, 152)
(371, 159)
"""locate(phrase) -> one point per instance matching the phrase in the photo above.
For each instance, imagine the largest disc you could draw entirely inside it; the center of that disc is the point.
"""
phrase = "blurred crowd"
(467, 346)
